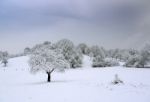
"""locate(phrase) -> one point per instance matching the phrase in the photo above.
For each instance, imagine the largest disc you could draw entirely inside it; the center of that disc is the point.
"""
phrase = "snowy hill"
(74, 85)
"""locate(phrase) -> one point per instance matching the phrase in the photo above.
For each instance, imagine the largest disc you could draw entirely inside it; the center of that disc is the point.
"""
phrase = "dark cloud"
(31, 10)
(103, 22)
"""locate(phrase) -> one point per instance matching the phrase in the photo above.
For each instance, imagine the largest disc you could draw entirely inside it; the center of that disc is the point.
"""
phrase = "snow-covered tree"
(98, 55)
(112, 53)
(121, 54)
(141, 59)
(70, 53)
(116, 54)
(84, 48)
(76, 59)
(133, 61)
(125, 55)
(65, 44)
(3, 57)
(97, 51)
(47, 43)
(36, 47)
(133, 52)
(145, 56)
(47, 60)
(27, 51)
(5, 61)
(98, 61)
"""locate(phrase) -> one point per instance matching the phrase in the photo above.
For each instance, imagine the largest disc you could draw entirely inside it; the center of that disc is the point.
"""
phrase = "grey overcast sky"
(108, 23)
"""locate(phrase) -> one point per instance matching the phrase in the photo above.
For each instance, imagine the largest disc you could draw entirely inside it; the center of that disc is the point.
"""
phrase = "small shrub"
(117, 80)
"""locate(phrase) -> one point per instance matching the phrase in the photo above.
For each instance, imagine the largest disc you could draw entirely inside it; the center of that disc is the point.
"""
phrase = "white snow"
(17, 84)
(87, 62)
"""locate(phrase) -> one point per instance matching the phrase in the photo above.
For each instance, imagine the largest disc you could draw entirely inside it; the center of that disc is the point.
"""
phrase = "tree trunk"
(5, 64)
(49, 77)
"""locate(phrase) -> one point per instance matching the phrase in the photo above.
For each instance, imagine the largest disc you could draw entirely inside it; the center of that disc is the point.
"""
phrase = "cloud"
(118, 14)
(101, 22)
(96, 10)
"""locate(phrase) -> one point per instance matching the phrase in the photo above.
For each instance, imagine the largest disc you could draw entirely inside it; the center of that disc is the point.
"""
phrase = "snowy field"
(85, 84)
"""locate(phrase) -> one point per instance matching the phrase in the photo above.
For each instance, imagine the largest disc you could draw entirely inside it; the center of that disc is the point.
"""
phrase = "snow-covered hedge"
(97, 62)
(100, 62)
(111, 62)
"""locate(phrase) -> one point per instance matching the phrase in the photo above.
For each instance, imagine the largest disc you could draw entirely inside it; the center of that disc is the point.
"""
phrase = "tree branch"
(52, 70)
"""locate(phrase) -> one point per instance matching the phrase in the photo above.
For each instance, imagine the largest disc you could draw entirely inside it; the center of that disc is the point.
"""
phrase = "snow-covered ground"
(74, 85)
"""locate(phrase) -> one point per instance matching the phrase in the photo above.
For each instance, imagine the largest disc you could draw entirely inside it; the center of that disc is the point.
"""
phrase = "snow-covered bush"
(141, 60)
(100, 62)
(111, 62)
(71, 54)
(97, 51)
(47, 60)
(117, 80)
(132, 61)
